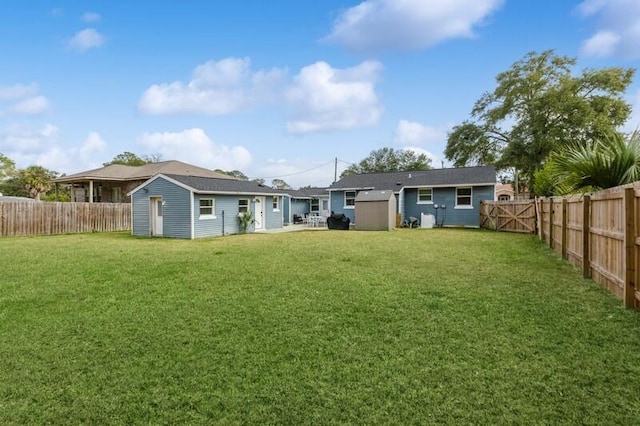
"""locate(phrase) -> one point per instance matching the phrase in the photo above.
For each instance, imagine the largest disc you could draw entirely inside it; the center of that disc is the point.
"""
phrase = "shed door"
(156, 216)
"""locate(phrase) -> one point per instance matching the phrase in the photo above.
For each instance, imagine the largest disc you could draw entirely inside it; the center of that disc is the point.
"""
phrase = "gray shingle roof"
(121, 172)
(435, 177)
(308, 192)
(233, 186)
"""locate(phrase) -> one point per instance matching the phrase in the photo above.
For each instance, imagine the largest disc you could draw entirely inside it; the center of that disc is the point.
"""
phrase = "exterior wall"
(299, 207)
(176, 221)
(226, 216)
(337, 205)
(80, 191)
(450, 216)
(225, 221)
(273, 218)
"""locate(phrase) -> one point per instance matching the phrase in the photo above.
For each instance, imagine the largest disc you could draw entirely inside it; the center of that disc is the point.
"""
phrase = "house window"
(425, 196)
(207, 208)
(464, 198)
(243, 206)
(349, 199)
(504, 198)
(315, 205)
(276, 203)
(117, 194)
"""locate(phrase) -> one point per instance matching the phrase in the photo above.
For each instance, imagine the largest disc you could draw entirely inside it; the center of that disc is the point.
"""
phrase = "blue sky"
(274, 89)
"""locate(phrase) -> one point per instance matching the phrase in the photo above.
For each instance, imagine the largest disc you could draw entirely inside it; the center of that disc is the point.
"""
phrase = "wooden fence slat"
(47, 218)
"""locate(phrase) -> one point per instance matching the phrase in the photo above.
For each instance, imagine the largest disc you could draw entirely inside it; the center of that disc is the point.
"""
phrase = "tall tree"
(36, 180)
(129, 159)
(280, 184)
(389, 160)
(7, 167)
(235, 173)
(540, 104)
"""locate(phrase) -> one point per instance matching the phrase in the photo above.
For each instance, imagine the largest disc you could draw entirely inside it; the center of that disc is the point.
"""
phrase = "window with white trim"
(315, 205)
(276, 203)
(207, 208)
(349, 199)
(425, 196)
(464, 198)
(243, 205)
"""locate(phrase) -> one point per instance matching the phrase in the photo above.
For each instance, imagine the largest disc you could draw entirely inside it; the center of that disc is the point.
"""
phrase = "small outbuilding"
(375, 210)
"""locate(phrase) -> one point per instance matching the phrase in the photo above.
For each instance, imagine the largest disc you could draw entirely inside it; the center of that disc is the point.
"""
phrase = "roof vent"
(398, 183)
(410, 176)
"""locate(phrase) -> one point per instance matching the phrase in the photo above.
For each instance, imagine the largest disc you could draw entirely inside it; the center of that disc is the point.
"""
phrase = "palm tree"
(36, 180)
(607, 162)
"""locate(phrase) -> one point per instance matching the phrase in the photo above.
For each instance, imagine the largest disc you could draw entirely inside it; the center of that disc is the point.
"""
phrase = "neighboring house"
(452, 196)
(11, 199)
(195, 207)
(504, 192)
(305, 201)
(111, 184)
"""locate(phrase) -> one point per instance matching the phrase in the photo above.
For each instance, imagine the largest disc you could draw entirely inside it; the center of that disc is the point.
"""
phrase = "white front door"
(258, 209)
(325, 207)
(155, 204)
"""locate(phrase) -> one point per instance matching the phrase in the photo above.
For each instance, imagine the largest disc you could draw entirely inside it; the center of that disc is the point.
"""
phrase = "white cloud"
(27, 140)
(410, 133)
(617, 28)
(91, 17)
(30, 106)
(21, 99)
(375, 25)
(92, 146)
(216, 88)
(86, 39)
(17, 91)
(194, 146)
(325, 98)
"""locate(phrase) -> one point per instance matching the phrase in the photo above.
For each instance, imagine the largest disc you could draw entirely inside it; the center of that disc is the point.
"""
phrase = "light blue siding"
(176, 210)
(273, 218)
(449, 216)
(337, 205)
(226, 216)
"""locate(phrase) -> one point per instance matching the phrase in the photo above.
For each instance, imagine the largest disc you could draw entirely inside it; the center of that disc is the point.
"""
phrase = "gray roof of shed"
(435, 177)
(213, 185)
(365, 196)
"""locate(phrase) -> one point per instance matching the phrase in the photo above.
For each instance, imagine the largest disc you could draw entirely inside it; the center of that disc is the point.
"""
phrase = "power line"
(292, 174)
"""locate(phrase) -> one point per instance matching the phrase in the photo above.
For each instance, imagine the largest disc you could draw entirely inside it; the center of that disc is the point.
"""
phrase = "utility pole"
(335, 170)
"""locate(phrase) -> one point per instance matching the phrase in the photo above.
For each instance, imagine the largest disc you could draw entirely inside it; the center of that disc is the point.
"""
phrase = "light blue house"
(196, 207)
(300, 202)
(452, 196)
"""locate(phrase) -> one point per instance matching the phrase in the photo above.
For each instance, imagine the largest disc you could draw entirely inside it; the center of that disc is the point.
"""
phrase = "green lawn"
(404, 327)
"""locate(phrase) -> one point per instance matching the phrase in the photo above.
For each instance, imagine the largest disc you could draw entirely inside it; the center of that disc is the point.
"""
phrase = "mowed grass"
(405, 327)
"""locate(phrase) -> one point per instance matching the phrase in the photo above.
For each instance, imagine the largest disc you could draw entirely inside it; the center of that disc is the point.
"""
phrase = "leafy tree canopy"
(36, 180)
(389, 160)
(280, 184)
(539, 105)
(235, 173)
(7, 167)
(259, 181)
(130, 159)
(603, 163)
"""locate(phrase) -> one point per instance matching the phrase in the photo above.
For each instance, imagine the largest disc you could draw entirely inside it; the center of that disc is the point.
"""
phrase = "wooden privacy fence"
(599, 233)
(510, 216)
(47, 218)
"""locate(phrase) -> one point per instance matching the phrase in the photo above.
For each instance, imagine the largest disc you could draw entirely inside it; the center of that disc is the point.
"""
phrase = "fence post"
(564, 228)
(629, 247)
(586, 231)
(551, 222)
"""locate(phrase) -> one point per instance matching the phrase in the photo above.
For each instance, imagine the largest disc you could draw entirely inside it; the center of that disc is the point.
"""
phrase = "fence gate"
(509, 216)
